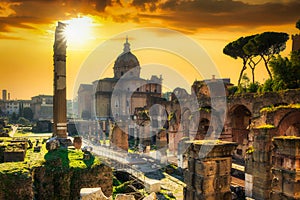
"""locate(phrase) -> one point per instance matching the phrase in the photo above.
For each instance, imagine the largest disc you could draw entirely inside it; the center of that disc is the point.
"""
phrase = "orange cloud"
(186, 15)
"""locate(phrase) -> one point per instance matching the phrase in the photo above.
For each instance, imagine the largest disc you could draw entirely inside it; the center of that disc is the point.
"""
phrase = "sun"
(79, 30)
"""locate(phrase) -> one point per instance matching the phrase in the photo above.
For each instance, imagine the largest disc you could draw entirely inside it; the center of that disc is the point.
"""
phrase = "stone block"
(260, 193)
(14, 156)
(152, 185)
(205, 168)
(191, 165)
(188, 193)
(124, 197)
(291, 188)
(92, 193)
(188, 178)
(152, 196)
(248, 185)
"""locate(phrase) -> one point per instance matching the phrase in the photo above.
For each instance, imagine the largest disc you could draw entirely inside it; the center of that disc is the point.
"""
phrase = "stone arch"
(203, 128)
(289, 124)
(240, 120)
(185, 121)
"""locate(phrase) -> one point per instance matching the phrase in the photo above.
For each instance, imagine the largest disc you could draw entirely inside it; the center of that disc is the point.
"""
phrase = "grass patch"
(275, 108)
(266, 126)
(67, 158)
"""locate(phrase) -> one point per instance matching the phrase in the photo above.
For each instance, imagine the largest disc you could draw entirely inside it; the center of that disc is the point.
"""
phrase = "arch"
(203, 128)
(185, 121)
(289, 124)
(240, 120)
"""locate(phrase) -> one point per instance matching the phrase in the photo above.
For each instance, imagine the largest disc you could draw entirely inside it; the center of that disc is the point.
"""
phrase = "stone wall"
(286, 164)
(119, 137)
(258, 165)
(49, 183)
(15, 186)
(67, 184)
(208, 173)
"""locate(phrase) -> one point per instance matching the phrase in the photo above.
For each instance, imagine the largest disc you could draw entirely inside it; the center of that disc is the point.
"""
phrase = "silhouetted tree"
(27, 113)
(298, 24)
(235, 50)
(266, 45)
(14, 117)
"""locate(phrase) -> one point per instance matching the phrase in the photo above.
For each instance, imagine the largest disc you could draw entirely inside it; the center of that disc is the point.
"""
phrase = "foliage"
(286, 71)
(298, 24)
(266, 45)
(116, 182)
(27, 113)
(13, 118)
(266, 126)
(273, 109)
(250, 150)
(232, 90)
(235, 50)
(69, 159)
(253, 87)
(23, 121)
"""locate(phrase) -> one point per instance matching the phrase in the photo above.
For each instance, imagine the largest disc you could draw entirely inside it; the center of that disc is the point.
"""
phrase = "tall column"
(59, 98)
(208, 174)
(258, 165)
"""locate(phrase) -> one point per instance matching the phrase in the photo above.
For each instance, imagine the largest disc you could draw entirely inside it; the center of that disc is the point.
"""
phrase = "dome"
(127, 62)
(127, 59)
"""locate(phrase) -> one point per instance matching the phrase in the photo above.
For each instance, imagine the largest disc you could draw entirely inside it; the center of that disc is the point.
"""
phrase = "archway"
(202, 129)
(240, 117)
(290, 124)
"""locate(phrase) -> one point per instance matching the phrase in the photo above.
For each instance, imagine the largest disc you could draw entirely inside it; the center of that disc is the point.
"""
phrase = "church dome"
(127, 62)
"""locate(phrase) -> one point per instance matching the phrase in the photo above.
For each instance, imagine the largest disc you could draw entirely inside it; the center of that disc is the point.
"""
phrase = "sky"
(169, 37)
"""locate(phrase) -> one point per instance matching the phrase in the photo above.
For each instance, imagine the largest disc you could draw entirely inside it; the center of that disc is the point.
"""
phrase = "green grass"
(266, 126)
(68, 159)
(273, 109)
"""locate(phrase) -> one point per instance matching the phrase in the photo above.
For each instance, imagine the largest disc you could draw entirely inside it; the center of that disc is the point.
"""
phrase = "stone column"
(208, 174)
(286, 166)
(59, 98)
(258, 165)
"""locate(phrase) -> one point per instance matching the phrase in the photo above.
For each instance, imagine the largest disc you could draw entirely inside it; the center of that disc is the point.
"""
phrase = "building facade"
(42, 107)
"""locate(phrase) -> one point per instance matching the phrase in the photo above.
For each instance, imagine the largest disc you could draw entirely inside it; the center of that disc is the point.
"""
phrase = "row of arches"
(238, 124)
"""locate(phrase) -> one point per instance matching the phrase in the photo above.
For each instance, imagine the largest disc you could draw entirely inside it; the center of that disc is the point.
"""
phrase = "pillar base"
(56, 143)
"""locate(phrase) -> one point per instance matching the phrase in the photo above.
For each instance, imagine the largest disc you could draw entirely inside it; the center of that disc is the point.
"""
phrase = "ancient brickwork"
(119, 137)
(208, 173)
(286, 165)
(258, 165)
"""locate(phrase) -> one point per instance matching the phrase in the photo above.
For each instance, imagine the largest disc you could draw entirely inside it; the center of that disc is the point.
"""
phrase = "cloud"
(186, 15)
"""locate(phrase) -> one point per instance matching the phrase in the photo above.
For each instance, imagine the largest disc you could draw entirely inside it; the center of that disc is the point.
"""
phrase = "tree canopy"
(254, 48)
(298, 24)
(266, 45)
(27, 113)
(287, 71)
(235, 50)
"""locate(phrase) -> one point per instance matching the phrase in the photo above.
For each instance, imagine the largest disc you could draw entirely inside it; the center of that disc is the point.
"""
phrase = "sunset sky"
(27, 35)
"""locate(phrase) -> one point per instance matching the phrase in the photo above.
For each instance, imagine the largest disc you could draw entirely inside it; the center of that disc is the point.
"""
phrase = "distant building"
(296, 42)
(85, 96)
(42, 107)
(12, 107)
(211, 87)
(132, 91)
(15, 106)
(4, 95)
(72, 109)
